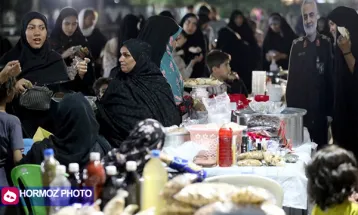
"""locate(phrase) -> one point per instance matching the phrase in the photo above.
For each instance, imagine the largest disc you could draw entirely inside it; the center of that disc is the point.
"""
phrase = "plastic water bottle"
(60, 183)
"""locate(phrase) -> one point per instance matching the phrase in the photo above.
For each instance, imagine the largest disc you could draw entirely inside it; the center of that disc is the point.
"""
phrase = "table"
(291, 177)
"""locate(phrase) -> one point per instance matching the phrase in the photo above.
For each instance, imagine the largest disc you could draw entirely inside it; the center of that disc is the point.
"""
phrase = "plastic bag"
(201, 194)
(271, 123)
(252, 195)
(116, 205)
(176, 184)
(175, 207)
(218, 108)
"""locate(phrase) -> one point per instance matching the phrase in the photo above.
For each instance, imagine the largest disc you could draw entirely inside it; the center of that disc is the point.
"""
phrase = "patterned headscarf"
(146, 136)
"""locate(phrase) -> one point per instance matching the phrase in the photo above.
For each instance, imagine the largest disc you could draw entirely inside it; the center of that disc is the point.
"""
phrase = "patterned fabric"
(171, 71)
(146, 136)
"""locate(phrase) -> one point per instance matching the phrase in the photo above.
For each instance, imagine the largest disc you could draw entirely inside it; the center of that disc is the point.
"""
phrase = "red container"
(262, 98)
(225, 147)
(240, 100)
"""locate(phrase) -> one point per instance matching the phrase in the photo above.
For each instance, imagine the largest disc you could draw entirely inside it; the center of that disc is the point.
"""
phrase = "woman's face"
(190, 25)
(127, 61)
(239, 20)
(36, 33)
(275, 27)
(332, 27)
(88, 21)
(69, 25)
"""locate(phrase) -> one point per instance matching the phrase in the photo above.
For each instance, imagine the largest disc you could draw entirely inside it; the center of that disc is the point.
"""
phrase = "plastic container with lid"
(110, 186)
(155, 177)
(225, 155)
(132, 184)
(48, 167)
(75, 180)
(96, 175)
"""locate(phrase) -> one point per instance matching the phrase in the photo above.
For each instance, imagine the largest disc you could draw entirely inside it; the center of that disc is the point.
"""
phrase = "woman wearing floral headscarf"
(163, 42)
(146, 136)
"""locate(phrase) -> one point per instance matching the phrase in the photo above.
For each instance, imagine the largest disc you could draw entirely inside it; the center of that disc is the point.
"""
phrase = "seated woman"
(66, 38)
(39, 65)
(138, 92)
(75, 136)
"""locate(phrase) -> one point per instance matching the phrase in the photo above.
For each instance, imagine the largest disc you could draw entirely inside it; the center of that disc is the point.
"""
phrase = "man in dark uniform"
(310, 79)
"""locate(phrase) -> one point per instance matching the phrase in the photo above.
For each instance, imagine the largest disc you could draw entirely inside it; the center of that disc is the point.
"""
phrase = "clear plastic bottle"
(155, 177)
(75, 180)
(131, 184)
(48, 167)
(62, 183)
(110, 186)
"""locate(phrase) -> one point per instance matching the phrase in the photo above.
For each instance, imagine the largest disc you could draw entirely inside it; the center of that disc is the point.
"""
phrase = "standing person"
(310, 81)
(64, 39)
(87, 20)
(128, 29)
(163, 41)
(323, 27)
(278, 40)
(40, 65)
(195, 45)
(232, 42)
(345, 118)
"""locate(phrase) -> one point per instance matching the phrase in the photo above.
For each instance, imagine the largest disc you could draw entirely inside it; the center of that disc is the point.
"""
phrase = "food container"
(293, 118)
(176, 137)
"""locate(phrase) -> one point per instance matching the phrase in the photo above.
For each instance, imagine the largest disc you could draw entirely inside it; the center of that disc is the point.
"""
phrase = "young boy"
(219, 65)
(100, 86)
(11, 141)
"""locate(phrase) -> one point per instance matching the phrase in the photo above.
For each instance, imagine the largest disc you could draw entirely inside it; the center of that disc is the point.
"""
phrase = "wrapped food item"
(202, 159)
(176, 184)
(249, 162)
(290, 158)
(175, 207)
(116, 205)
(130, 210)
(273, 160)
(271, 209)
(184, 166)
(150, 211)
(272, 122)
(251, 195)
(221, 207)
(201, 194)
(256, 155)
(70, 210)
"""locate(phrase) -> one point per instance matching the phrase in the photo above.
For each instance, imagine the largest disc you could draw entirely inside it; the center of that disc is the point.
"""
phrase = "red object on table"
(225, 147)
(261, 98)
(240, 100)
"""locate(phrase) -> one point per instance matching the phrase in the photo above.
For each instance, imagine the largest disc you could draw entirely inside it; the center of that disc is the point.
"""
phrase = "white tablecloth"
(291, 177)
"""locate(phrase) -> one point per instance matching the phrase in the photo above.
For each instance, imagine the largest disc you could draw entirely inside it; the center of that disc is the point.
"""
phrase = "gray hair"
(309, 2)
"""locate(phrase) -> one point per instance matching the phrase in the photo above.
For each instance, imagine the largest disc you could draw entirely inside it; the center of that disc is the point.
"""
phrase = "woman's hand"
(22, 85)
(82, 67)
(12, 69)
(344, 44)
(197, 59)
(69, 52)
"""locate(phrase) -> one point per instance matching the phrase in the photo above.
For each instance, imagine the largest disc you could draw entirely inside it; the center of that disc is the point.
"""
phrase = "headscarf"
(325, 31)
(348, 18)
(147, 135)
(128, 29)
(59, 40)
(81, 17)
(195, 40)
(34, 61)
(76, 130)
(140, 94)
(244, 30)
(160, 38)
(167, 13)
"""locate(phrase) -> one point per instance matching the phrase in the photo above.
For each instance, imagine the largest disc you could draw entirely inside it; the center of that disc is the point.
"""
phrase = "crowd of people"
(139, 75)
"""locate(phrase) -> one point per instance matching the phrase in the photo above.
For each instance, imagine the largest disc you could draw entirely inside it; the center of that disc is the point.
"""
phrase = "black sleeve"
(35, 154)
(290, 86)
(329, 81)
